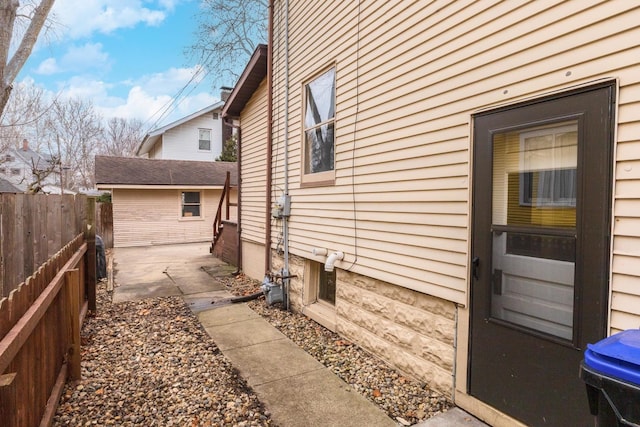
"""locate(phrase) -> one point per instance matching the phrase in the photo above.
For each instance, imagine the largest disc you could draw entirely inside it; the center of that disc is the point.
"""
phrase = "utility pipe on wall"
(267, 225)
(285, 220)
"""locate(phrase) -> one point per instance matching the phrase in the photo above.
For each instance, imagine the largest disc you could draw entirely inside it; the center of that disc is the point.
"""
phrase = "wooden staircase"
(225, 237)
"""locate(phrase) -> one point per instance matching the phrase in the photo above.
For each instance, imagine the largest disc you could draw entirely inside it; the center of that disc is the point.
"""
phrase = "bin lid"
(617, 356)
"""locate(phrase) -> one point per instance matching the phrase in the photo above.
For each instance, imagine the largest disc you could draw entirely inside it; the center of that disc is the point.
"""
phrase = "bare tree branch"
(29, 38)
(121, 137)
(228, 33)
(11, 66)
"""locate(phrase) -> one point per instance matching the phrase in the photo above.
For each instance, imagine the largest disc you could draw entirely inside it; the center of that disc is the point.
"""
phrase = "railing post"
(90, 257)
(72, 286)
(227, 189)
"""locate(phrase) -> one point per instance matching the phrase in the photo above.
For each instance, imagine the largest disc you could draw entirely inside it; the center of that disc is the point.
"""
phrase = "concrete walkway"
(297, 389)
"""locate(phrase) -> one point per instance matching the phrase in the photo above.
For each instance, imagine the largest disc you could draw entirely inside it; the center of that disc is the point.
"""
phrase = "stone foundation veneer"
(411, 331)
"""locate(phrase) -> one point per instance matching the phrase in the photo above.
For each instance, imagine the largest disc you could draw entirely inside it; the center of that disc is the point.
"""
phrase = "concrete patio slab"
(168, 270)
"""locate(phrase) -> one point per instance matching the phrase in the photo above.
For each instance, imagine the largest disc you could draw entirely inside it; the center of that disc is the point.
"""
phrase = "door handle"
(475, 263)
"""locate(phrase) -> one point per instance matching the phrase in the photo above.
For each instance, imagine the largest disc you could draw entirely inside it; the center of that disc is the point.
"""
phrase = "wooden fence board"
(9, 235)
(35, 336)
(32, 229)
(26, 213)
(104, 223)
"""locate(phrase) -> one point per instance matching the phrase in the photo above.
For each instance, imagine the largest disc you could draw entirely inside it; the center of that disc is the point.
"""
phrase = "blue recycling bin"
(611, 372)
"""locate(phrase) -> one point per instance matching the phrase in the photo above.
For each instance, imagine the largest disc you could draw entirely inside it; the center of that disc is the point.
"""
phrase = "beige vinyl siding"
(253, 153)
(152, 217)
(404, 103)
(625, 296)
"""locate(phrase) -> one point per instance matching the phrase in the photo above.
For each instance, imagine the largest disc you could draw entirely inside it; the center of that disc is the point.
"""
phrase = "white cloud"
(148, 97)
(86, 88)
(76, 59)
(171, 80)
(81, 19)
(149, 108)
(48, 66)
(89, 55)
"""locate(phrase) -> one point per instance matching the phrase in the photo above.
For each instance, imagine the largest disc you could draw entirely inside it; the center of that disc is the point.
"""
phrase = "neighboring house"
(7, 187)
(163, 201)
(199, 137)
(24, 168)
(469, 172)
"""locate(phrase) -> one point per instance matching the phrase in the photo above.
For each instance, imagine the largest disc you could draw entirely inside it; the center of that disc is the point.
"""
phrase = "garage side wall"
(152, 217)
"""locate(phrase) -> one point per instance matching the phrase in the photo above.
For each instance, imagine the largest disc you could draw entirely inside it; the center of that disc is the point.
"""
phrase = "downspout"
(285, 219)
(239, 201)
(267, 210)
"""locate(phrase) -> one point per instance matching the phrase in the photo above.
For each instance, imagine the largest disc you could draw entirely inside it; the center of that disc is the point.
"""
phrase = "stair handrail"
(217, 222)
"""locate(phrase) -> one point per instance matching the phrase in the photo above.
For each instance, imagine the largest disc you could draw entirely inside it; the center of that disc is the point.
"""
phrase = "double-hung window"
(204, 139)
(190, 204)
(319, 128)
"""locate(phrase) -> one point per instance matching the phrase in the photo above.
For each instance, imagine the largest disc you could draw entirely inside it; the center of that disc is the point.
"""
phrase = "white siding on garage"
(181, 142)
(253, 122)
(152, 217)
(409, 77)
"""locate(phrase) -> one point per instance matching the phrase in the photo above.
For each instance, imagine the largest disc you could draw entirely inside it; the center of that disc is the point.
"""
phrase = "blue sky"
(126, 56)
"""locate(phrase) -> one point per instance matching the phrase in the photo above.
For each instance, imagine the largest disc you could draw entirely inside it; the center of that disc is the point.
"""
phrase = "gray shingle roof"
(137, 171)
(7, 187)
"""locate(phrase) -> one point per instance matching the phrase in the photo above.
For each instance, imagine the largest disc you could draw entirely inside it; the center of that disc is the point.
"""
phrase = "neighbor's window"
(319, 126)
(204, 139)
(190, 204)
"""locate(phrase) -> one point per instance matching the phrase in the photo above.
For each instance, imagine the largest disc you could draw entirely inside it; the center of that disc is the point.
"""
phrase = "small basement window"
(322, 284)
(190, 204)
(319, 296)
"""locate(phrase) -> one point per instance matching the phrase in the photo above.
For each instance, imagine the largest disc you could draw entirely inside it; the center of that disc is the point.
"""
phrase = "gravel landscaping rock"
(405, 400)
(150, 363)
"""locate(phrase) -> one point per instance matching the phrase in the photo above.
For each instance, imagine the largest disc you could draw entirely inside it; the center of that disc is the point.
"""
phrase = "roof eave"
(249, 80)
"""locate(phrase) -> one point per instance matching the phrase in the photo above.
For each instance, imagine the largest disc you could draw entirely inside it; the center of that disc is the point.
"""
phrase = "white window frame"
(324, 177)
(200, 204)
(200, 140)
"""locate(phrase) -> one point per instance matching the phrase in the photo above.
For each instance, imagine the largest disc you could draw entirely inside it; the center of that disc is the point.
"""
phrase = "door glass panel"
(533, 227)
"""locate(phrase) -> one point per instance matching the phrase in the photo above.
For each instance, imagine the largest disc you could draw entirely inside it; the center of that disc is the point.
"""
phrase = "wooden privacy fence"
(40, 325)
(40, 319)
(104, 223)
(33, 228)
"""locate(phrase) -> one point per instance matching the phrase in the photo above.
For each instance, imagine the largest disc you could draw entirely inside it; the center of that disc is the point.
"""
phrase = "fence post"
(2, 243)
(90, 257)
(72, 285)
